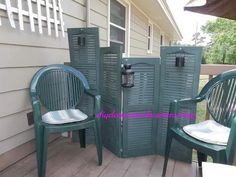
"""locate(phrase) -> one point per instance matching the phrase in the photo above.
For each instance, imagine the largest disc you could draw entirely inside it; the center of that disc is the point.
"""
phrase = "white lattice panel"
(53, 16)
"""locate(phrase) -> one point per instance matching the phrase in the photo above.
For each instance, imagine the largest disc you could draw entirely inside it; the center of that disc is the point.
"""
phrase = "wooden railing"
(214, 69)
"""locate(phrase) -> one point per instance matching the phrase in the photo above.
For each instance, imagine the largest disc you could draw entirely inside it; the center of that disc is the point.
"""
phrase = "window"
(161, 41)
(150, 37)
(118, 27)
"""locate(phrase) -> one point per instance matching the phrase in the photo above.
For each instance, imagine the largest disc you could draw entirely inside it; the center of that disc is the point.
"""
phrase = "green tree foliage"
(222, 48)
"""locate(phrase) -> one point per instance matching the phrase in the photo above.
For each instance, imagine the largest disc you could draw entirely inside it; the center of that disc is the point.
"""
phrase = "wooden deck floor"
(66, 159)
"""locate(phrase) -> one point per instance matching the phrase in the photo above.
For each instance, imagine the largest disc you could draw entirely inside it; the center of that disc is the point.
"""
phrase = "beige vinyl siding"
(99, 18)
(166, 40)
(30, 56)
(23, 75)
(14, 102)
(17, 140)
(8, 124)
(138, 33)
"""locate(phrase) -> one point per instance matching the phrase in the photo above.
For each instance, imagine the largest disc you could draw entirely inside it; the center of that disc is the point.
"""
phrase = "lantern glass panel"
(127, 77)
(179, 61)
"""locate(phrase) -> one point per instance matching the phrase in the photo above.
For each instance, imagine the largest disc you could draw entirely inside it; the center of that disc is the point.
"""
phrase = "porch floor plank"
(91, 169)
(66, 159)
(156, 170)
(140, 167)
(117, 167)
(28, 164)
(184, 169)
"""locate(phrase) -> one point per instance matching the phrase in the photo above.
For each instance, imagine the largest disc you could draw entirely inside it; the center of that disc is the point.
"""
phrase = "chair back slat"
(221, 98)
(59, 87)
(232, 99)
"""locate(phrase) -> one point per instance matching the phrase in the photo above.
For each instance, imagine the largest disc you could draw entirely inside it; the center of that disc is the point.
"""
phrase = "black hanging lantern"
(81, 41)
(179, 61)
(180, 58)
(127, 76)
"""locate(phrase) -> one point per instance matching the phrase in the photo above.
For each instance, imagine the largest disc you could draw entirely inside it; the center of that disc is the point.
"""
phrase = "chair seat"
(208, 131)
(193, 143)
(64, 116)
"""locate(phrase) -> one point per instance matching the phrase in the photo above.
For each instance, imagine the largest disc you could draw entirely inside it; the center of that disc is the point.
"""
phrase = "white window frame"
(150, 37)
(127, 6)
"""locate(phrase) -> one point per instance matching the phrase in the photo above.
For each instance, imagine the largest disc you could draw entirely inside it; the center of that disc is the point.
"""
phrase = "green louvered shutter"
(110, 90)
(84, 56)
(139, 134)
(177, 83)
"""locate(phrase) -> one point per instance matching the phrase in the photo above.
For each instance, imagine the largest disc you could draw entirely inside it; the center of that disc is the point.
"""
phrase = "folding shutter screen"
(139, 133)
(177, 83)
(110, 89)
(84, 56)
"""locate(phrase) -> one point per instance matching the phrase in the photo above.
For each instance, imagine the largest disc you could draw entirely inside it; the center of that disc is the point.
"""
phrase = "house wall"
(139, 34)
(24, 52)
(166, 41)
(99, 18)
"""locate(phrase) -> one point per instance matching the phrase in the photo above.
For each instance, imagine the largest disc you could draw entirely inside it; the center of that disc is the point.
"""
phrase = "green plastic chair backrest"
(220, 93)
(58, 87)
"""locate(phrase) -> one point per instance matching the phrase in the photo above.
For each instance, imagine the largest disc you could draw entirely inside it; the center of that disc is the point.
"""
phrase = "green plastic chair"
(220, 95)
(60, 87)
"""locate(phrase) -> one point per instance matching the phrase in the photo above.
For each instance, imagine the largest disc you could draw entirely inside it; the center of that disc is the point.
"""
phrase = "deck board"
(184, 169)
(140, 166)
(67, 152)
(117, 167)
(66, 159)
(91, 169)
(156, 170)
(28, 164)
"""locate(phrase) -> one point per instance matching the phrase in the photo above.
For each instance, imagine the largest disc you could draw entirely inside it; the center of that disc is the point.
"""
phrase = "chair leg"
(167, 152)
(82, 138)
(220, 158)
(44, 153)
(75, 136)
(39, 146)
(201, 157)
(98, 141)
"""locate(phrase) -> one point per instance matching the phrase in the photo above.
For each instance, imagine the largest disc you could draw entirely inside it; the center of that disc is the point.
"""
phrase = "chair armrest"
(174, 107)
(97, 100)
(189, 100)
(36, 111)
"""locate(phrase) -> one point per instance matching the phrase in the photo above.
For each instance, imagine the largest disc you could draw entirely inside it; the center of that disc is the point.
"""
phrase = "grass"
(201, 107)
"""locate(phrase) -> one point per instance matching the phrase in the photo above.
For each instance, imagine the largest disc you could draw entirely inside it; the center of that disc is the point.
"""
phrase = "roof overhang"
(160, 13)
(220, 8)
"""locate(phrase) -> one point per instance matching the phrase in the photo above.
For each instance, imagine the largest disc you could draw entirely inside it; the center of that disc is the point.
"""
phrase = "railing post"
(207, 116)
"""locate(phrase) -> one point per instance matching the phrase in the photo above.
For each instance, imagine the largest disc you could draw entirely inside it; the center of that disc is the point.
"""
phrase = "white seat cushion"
(209, 131)
(64, 116)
